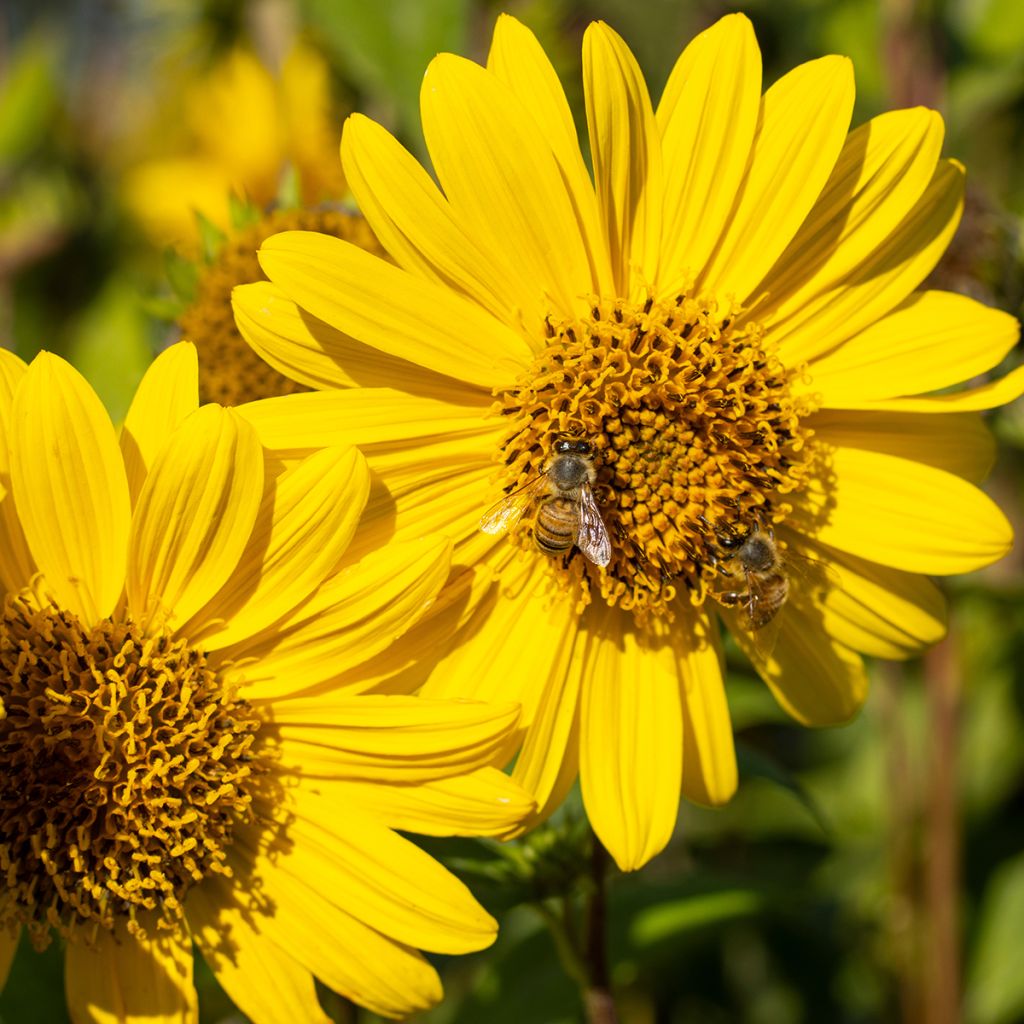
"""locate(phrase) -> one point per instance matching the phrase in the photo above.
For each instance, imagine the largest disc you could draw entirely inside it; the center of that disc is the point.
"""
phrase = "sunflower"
(243, 128)
(724, 315)
(178, 763)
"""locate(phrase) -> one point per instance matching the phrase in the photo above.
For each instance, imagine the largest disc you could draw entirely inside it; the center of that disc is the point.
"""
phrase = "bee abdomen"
(556, 526)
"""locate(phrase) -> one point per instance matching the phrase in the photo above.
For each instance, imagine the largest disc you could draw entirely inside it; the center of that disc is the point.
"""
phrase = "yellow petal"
(360, 416)
(349, 957)
(882, 280)
(403, 667)
(803, 124)
(352, 617)
(504, 184)
(903, 514)
(959, 443)
(194, 516)
(167, 393)
(392, 310)
(988, 396)
(626, 151)
(414, 222)
(521, 622)
(631, 740)
(12, 369)
(260, 977)
(441, 485)
(309, 351)
(519, 61)
(17, 566)
(482, 803)
(122, 979)
(302, 529)
(932, 340)
(816, 679)
(707, 117)
(882, 171)
(390, 738)
(383, 879)
(69, 487)
(709, 767)
(545, 757)
(877, 610)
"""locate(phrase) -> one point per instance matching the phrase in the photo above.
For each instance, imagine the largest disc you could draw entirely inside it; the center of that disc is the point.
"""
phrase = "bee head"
(567, 446)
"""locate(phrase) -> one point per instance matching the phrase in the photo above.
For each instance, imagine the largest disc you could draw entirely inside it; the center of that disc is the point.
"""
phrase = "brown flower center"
(125, 766)
(694, 431)
(230, 372)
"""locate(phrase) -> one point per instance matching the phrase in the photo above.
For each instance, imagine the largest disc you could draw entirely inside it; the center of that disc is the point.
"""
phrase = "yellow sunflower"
(721, 326)
(178, 761)
(243, 127)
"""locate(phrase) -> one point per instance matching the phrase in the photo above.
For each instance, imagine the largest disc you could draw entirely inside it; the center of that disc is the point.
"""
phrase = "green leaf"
(111, 345)
(289, 192)
(666, 920)
(242, 213)
(994, 28)
(183, 276)
(211, 236)
(995, 981)
(753, 764)
(28, 98)
(385, 48)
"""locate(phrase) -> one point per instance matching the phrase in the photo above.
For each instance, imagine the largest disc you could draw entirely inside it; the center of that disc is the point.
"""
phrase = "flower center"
(125, 766)
(230, 372)
(695, 435)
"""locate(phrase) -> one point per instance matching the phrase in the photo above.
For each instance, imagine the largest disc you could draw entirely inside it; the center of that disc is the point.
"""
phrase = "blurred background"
(869, 873)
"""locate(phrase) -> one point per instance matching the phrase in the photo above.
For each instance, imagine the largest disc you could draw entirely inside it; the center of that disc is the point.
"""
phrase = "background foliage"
(870, 873)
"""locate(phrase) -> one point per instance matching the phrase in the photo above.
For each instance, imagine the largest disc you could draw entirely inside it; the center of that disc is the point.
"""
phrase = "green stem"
(597, 996)
(565, 947)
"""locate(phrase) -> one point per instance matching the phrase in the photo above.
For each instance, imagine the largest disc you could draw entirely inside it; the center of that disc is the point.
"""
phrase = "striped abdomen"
(556, 526)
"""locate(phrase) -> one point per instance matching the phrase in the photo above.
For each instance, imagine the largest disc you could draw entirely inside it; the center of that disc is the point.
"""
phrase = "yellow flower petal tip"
(159, 594)
(605, 388)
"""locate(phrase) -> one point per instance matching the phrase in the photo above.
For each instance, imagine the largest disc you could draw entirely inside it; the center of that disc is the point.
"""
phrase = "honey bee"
(567, 513)
(766, 581)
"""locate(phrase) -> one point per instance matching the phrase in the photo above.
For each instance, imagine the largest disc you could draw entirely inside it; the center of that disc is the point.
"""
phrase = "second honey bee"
(567, 513)
(765, 580)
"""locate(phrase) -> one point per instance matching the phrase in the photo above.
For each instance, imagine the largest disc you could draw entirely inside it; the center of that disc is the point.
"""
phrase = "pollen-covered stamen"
(695, 431)
(125, 766)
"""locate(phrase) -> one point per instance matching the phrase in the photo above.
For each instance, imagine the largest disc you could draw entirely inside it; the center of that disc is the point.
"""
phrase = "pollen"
(125, 767)
(695, 432)
(230, 372)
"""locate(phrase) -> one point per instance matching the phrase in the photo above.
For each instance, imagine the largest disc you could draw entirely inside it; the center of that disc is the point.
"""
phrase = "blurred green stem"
(584, 954)
(942, 847)
(597, 997)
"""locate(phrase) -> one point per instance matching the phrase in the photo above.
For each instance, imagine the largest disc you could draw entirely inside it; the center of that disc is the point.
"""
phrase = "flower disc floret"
(696, 434)
(125, 766)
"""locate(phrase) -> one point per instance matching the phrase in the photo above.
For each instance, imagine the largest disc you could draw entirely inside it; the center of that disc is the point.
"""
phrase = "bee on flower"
(728, 311)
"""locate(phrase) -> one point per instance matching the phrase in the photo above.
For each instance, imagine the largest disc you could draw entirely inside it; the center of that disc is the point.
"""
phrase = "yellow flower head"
(719, 330)
(243, 127)
(184, 756)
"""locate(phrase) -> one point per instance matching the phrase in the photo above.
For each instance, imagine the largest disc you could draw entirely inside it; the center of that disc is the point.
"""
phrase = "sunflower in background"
(726, 318)
(181, 760)
(245, 130)
(231, 372)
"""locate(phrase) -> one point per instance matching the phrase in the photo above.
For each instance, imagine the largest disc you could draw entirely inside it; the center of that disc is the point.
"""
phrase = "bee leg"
(732, 597)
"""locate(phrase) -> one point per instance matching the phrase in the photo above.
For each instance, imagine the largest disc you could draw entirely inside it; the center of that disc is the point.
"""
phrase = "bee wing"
(765, 635)
(592, 538)
(504, 514)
